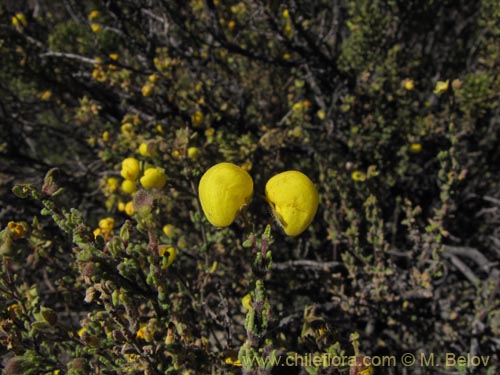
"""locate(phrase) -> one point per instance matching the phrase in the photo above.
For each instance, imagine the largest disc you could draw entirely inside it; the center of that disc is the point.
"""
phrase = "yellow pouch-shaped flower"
(130, 169)
(293, 199)
(224, 189)
(153, 178)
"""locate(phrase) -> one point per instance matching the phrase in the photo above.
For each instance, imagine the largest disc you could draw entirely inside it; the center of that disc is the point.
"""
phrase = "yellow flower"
(286, 14)
(209, 132)
(112, 183)
(18, 229)
(298, 107)
(293, 199)
(147, 89)
(95, 27)
(224, 190)
(144, 150)
(114, 56)
(97, 232)
(129, 208)
(246, 301)
(105, 136)
(171, 255)
(81, 332)
(19, 20)
(94, 14)
(121, 206)
(321, 114)
(197, 118)
(415, 148)
(193, 152)
(106, 225)
(176, 154)
(441, 87)
(168, 230)
(358, 176)
(127, 129)
(153, 78)
(233, 361)
(46, 95)
(129, 186)
(144, 333)
(154, 178)
(130, 169)
(408, 84)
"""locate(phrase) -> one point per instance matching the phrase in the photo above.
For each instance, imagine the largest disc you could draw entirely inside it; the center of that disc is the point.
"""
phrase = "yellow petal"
(224, 189)
(293, 199)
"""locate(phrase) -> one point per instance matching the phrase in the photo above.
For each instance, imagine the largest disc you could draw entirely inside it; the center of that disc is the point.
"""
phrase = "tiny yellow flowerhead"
(153, 178)
(224, 190)
(293, 199)
(168, 255)
(130, 169)
(129, 186)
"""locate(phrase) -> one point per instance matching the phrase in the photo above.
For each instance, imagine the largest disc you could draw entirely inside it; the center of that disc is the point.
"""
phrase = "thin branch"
(311, 264)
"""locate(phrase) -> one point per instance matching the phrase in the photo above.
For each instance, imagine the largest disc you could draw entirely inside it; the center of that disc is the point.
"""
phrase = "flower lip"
(293, 199)
(224, 189)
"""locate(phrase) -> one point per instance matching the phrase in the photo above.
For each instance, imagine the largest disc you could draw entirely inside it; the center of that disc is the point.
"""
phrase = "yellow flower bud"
(129, 208)
(358, 176)
(112, 183)
(246, 301)
(95, 27)
(408, 84)
(105, 136)
(121, 206)
(19, 20)
(147, 89)
(154, 178)
(46, 95)
(197, 118)
(94, 14)
(169, 251)
(224, 190)
(129, 186)
(169, 230)
(416, 148)
(193, 152)
(106, 225)
(144, 150)
(293, 199)
(130, 169)
(441, 87)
